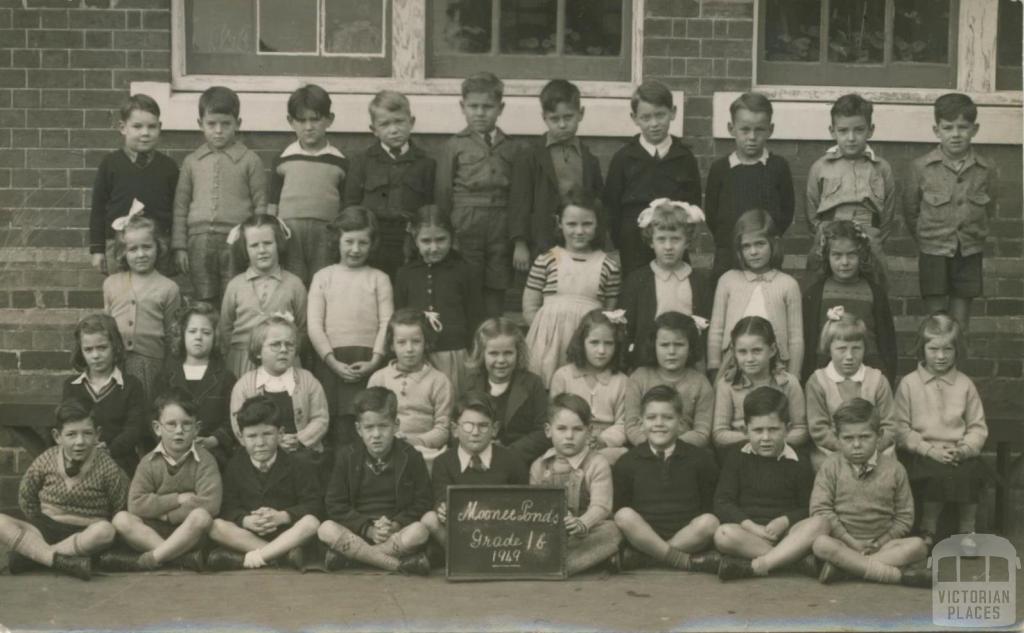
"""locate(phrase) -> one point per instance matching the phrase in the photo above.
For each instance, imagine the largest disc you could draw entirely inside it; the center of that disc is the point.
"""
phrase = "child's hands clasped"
(343, 370)
(943, 454)
(442, 512)
(575, 526)
(290, 442)
(758, 530)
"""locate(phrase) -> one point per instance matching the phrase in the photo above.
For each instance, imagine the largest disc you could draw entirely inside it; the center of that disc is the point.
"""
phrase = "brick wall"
(65, 66)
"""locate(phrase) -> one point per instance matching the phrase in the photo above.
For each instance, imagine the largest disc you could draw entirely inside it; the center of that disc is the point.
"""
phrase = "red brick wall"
(66, 65)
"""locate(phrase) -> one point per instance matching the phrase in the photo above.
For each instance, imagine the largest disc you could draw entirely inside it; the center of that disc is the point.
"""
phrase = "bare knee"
(124, 521)
(825, 547)
(917, 548)
(328, 531)
(727, 535)
(308, 523)
(199, 519)
(104, 532)
(416, 533)
(706, 524)
(626, 518)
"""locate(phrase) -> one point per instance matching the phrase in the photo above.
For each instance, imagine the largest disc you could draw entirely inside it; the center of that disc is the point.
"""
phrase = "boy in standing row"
(222, 184)
(544, 174)
(750, 177)
(948, 201)
(307, 183)
(473, 177)
(851, 182)
(137, 171)
(653, 165)
(393, 177)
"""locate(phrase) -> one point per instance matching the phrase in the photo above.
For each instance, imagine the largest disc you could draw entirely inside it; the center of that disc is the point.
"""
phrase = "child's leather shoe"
(415, 565)
(734, 568)
(76, 566)
(705, 562)
(916, 577)
(223, 559)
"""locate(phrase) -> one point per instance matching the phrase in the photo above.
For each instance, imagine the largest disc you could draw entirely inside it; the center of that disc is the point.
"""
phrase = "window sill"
(435, 103)
(901, 115)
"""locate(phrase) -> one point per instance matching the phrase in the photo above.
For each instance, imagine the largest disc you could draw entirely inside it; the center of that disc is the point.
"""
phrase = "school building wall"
(65, 66)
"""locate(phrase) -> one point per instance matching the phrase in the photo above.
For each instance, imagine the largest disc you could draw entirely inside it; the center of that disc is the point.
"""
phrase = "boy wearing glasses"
(174, 495)
(477, 460)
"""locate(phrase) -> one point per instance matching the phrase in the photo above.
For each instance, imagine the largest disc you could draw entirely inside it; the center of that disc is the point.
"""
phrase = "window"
(858, 42)
(287, 37)
(530, 39)
(1008, 46)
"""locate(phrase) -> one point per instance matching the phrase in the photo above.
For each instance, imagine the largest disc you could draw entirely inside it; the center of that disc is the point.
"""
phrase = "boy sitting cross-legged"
(587, 479)
(174, 495)
(67, 496)
(762, 495)
(866, 498)
(664, 490)
(376, 494)
(476, 461)
(271, 499)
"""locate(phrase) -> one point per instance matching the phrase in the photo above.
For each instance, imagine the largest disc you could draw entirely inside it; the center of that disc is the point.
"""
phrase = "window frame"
(409, 63)
(893, 72)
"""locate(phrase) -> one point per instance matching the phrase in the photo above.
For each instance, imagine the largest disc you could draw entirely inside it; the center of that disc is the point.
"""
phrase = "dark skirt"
(959, 483)
(340, 394)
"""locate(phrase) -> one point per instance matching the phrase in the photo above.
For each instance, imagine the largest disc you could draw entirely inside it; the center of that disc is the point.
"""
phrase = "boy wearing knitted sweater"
(762, 496)
(866, 499)
(174, 495)
(67, 496)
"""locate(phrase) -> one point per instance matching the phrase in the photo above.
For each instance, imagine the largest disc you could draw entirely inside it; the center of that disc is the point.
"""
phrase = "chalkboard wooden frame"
(459, 568)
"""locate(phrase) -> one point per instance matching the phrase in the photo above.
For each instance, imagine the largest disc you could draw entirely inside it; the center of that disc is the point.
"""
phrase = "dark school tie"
(142, 159)
(476, 464)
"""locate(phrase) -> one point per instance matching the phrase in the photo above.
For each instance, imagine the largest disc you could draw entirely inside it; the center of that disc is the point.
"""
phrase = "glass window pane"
(921, 31)
(856, 32)
(354, 27)
(947, 569)
(528, 26)
(593, 27)
(222, 26)
(972, 569)
(462, 26)
(792, 30)
(998, 569)
(288, 26)
(1009, 35)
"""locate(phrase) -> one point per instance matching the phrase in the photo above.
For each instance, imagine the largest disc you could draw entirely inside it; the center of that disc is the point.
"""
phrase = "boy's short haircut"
(570, 402)
(378, 400)
(483, 82)
(852, 105)
(389, 101)
(752, 102)
(953, 105)
(175, 396)
(259, 409)
(856, 411)
(766, 400)
(72, 410)
(478, 402)
(653, 92)
(141, 102)
(310, 97)
(219, 100)
(559, 91)
(663, 393)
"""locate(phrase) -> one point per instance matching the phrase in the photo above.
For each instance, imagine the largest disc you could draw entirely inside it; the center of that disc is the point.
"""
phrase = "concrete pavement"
(649, 600)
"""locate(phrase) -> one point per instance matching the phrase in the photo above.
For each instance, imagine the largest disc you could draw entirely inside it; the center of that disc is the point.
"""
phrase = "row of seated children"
(493, 194)
(665, 499)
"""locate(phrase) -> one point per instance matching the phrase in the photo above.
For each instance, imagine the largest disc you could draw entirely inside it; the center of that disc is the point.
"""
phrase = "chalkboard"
(506, 533)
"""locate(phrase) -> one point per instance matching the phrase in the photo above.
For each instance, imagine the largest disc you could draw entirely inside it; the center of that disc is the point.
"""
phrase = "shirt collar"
(833, 153)
(573, 142)
(680, 274)
(251, 273)
(834, 375)
(669, 450)
(662, 148)
(115, 375)
(85, 462)
(159, 450)
(780, 377)
(575, 461)
(603, 377)
(415, 376)
(766, 276)
(866, 468)
(235, 151)
(787, 452)
(735, 160)
(926, 376)
(485, 457)
(403, 150)
(295, 149)
(276, 384)
(270, 462)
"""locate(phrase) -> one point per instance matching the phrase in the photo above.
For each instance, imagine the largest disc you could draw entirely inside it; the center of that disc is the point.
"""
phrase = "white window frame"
(901, 114)
(435, 100)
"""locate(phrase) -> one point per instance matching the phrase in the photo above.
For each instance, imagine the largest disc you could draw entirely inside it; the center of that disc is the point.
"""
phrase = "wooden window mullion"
(560, 28)
(495, 27)
(823, 32)
(890, 26)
